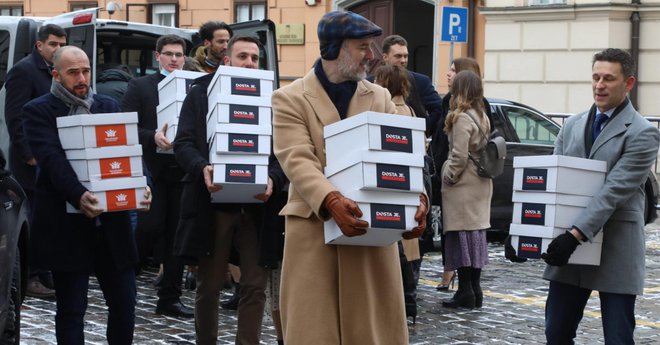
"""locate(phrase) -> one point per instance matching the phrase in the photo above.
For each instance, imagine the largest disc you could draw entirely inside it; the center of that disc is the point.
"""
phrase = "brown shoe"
(37, 290)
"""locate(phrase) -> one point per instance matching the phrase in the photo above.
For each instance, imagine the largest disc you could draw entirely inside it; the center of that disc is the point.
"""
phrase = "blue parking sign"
(454, 24)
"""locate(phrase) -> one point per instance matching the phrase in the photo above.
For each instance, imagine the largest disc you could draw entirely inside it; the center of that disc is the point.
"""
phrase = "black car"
(528, 132)
(14, 232)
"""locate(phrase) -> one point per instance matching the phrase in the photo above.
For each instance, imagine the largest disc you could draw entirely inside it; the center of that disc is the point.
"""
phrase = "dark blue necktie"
(598, 124)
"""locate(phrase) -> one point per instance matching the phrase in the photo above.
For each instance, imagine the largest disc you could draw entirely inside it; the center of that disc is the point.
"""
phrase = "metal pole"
(451, 53)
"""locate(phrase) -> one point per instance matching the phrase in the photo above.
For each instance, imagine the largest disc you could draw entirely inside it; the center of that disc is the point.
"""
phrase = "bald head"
(65, 53)
(72, 70)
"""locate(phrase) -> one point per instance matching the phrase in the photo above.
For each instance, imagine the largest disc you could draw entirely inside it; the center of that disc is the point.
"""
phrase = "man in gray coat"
(614, 132)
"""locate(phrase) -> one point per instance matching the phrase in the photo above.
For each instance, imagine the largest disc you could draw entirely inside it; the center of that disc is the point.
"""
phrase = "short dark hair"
(394, 78)
(393, 40)
(169, 39)
(50, 29)
(617, 55)
(207, 29)
(244, 38)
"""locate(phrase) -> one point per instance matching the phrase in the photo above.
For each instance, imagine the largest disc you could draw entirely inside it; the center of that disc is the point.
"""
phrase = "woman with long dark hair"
(466, 195)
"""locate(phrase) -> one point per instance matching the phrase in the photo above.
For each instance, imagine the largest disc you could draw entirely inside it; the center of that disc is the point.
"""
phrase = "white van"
(110, 42)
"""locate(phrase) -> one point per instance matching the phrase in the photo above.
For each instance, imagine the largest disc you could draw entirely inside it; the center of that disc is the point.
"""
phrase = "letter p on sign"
(454, 24)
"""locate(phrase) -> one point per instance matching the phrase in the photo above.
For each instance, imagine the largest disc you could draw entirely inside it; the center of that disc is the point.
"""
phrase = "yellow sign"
(290, 33)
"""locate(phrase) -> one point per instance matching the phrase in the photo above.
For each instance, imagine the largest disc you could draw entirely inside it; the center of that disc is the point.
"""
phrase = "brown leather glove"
(345, 212)
(420, 217)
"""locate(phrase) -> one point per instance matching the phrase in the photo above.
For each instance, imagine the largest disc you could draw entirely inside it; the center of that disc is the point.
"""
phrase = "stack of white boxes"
(239, 130)
(376, 159)
(104, 152)
(549, 193)
(171, 92)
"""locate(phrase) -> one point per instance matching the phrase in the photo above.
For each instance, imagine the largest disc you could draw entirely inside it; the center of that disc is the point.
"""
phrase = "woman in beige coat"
(465, 195)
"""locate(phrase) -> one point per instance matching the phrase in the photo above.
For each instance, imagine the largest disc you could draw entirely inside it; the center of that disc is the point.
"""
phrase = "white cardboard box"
(213, 128)
(386, 224)
(560, 174)
(176, 85)
(229, 80)
(547, 209)
(532, 247)
(374, 131)
(118, 194)
(378, 176)
(352, 157)
(238, 143)
(240, 110)
(97, 130)
(168, 113)
(106, 162)
(240, 182)
(218, 158)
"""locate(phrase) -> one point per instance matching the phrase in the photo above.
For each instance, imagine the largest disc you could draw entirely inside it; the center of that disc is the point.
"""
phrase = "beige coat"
(410, 247)
(466, 203)
(329, 294)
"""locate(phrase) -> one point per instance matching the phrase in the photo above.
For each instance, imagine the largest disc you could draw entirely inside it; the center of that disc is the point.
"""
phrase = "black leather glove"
(510, 252)
(345, 212)
(560, 249)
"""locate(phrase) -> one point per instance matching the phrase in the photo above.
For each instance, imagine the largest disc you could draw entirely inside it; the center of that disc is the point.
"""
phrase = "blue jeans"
(120, 294)
(565, 306)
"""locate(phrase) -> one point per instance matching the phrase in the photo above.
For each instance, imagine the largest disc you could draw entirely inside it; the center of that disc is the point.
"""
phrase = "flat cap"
(336, 26)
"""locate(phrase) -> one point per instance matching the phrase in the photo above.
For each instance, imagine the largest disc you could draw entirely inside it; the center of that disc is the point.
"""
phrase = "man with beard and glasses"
(76, 245)
(334, 294)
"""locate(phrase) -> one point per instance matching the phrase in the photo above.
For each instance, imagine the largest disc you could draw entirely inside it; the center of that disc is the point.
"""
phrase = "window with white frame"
(249, 10)
(546, 2)
(163, 14)
(16, 11)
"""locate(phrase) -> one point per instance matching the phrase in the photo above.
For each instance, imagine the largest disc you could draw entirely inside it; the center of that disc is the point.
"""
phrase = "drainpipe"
(634, 48)
(471, 27)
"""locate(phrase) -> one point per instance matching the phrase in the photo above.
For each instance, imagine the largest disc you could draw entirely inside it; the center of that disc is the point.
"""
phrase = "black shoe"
(158, 281)
(232, 303)
(174, 309)
(37, 290)
(464, 296)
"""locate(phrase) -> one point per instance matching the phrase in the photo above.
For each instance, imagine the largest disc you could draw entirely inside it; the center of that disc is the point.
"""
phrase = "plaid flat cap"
(336, 26)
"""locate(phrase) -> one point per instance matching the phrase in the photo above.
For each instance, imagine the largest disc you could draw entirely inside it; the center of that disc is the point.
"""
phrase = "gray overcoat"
(629, 145)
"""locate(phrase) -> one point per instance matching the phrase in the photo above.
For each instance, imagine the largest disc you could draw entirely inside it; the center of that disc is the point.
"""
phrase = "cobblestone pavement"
(512, 312)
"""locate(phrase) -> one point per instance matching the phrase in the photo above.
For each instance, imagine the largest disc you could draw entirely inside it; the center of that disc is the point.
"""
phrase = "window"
(250, 10)
(163, 14)
(4, 55)
(546, 2)
(16, 11)
(76, 6)
(531, 128)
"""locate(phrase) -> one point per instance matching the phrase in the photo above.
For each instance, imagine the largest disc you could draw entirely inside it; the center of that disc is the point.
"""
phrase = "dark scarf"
(340, 94)
(210, 63)
(76, 104)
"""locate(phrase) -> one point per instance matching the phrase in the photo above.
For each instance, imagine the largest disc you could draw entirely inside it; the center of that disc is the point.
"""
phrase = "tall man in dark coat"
(207, 232)
(77, 245)
(27, 80)
(142, 96)
(423, 98)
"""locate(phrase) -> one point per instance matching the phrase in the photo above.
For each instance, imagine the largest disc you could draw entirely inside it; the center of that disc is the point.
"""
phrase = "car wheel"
(12, 327)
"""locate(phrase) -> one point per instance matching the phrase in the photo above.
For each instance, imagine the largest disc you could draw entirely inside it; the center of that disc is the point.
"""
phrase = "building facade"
(419, 21)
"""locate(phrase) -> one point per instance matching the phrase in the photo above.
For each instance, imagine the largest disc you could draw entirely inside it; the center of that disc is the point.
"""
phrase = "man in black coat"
(162, 220)
(76, 245)
(27, 80)
(423, 98)
(206, 231)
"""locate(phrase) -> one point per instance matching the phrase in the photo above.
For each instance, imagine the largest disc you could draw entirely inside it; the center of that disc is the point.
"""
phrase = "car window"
(530, 127)
(4, 55)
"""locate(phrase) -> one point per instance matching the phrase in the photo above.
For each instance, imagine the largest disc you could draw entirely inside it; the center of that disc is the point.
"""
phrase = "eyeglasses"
(170, 54)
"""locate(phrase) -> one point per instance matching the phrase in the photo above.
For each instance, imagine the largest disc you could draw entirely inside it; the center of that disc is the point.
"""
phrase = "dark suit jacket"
(195, 233)
(142, 96)
(27, 80)
(430, 100)
(66, 242)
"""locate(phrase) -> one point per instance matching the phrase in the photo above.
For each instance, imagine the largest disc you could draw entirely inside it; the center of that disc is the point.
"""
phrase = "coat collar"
(616, 126)
(324, 108)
